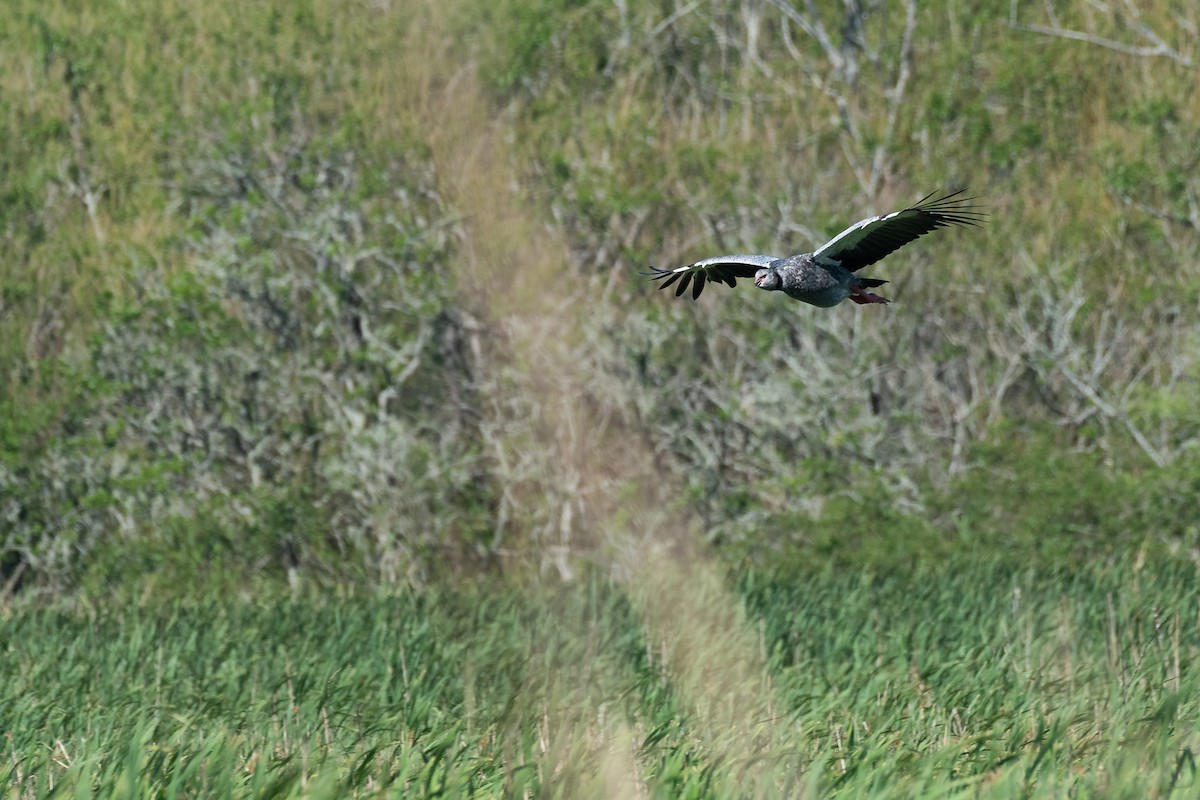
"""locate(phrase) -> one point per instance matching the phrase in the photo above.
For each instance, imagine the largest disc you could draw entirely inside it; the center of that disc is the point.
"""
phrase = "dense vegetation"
(232, 283)
(303, 296)
(984, 682)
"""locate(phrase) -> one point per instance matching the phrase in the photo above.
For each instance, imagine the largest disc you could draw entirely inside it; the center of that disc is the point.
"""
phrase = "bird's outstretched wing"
(869, 240)
(725, 269)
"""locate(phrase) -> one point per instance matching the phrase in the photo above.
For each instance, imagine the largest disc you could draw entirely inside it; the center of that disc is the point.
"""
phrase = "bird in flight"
(825, 277)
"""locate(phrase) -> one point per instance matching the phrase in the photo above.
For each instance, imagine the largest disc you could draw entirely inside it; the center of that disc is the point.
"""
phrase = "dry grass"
(615, 508)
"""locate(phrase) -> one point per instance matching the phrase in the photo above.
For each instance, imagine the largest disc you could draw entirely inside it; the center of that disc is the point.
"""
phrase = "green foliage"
(229, 310)
(544, 35)
(305, 349)
(234, 357)
(974, 676)
(1030, 357)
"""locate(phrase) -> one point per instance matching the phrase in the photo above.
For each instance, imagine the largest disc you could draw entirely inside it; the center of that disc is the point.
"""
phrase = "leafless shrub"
(746, 397)
(308, 356)
(743, 395)
(1104, 368)
(837, 76)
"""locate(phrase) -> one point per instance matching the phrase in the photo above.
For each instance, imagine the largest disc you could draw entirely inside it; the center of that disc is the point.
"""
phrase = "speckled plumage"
(801, 278)
(826, 276)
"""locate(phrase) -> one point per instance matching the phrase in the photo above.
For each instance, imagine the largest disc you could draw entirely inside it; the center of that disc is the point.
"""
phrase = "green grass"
(970, 680)
(244, 341)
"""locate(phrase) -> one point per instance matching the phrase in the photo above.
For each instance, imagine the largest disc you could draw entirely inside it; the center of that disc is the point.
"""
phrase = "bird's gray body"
(802, 278)
(826, 276)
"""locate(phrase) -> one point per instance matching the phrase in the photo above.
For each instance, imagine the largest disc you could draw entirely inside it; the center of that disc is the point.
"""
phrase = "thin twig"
(1158, 49)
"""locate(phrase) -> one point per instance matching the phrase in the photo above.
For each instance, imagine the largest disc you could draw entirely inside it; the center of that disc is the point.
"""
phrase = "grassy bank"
(973, 680)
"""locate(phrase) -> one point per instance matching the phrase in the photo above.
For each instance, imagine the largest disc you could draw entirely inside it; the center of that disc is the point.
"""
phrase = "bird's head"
(768, 279)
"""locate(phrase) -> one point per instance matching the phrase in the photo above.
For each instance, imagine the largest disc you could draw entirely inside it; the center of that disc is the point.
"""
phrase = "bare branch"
(1108, 410)
(1158, 47)
(812, 25)
(895, 97)
(675, 17)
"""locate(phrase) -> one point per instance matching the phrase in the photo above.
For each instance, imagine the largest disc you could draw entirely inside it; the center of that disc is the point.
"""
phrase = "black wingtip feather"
(874, 238)
(683, 284)
(657, 274)
(702, 274)
(952, 209)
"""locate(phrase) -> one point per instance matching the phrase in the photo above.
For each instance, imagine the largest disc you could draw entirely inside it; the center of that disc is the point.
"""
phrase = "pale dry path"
(615, 507)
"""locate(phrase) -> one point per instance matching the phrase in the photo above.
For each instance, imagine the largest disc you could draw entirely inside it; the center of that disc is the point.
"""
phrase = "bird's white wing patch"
(828, 253)
(721, 269)
(871, 239)
(756, 261)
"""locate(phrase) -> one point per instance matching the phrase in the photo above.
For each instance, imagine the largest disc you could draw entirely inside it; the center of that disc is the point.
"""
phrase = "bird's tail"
(871, 282)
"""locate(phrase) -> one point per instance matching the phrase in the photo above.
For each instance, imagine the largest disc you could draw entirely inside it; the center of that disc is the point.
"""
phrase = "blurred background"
(344, 451)
(238, 339)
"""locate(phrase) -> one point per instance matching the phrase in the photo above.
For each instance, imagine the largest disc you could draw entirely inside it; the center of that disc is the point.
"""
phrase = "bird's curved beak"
(758, 279)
